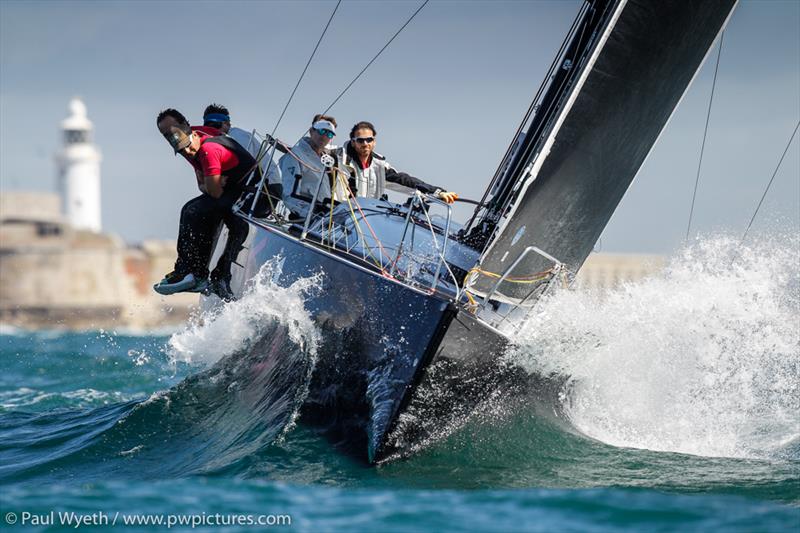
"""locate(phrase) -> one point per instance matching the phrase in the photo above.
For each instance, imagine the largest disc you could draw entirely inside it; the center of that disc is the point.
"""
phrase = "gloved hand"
(448, 197)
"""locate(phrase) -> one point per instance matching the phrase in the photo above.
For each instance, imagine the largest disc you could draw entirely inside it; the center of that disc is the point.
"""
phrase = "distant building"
(79, 170)
(607, 270)
(57, 270)
(55, 276)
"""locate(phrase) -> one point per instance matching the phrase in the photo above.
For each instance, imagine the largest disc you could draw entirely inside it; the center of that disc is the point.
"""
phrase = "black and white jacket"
(372, 182)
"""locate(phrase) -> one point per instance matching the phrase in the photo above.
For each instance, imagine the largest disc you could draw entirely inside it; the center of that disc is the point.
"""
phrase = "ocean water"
(680, 412)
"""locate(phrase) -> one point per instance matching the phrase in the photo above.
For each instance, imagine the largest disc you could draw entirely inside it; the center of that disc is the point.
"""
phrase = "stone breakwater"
(55, 277)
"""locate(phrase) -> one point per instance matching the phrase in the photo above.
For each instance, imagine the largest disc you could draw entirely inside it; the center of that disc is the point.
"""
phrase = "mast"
(548, 101)
(614, 84)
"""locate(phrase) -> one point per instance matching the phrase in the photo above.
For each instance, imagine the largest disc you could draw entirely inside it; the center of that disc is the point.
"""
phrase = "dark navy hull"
(399, 365)
(377, 336)
(402, 361)
(468, 377)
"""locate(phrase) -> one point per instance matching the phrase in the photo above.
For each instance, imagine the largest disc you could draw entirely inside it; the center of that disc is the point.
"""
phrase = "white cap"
(324, 125)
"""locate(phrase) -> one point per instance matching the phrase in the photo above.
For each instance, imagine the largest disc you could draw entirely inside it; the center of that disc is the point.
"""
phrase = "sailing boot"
(175, 282)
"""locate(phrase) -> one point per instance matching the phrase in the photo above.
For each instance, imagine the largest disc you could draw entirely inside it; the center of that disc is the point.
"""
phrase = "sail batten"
(636, 73)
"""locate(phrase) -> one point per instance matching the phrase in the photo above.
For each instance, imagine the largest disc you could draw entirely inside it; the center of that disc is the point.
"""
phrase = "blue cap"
(216, 117)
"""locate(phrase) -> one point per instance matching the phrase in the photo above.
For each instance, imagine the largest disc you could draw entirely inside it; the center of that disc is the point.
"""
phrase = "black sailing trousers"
(200, 218)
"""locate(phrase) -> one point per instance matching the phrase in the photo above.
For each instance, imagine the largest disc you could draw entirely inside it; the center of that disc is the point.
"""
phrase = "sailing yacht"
(415, 308)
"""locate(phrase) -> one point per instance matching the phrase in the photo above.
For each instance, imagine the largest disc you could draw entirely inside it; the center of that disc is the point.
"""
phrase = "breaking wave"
(225, 329)
(260, 352)
(702, 359)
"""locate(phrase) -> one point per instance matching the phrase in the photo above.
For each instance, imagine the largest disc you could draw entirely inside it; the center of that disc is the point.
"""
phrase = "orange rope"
(340, 174)
(350, 194)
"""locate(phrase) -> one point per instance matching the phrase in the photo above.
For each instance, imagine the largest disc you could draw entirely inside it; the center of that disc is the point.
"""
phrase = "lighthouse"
(79, 170)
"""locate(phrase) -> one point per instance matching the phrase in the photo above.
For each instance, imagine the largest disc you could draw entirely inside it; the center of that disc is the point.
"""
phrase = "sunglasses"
(364, 140)
(178, 139)
(325, 133)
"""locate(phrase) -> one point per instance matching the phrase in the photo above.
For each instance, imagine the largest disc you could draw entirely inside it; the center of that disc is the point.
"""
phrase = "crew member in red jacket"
(221, 166)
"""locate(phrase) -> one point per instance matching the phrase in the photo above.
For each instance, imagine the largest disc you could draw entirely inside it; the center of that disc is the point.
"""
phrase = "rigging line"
(306, 68)
(340, 174)
(291, 96)
(705, 133)
(376, 56)
(770, 181)
(531, 110)
(438, 250)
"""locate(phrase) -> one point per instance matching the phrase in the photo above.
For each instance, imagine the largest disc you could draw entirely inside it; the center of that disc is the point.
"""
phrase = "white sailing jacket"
(373, 181)
(304, 162)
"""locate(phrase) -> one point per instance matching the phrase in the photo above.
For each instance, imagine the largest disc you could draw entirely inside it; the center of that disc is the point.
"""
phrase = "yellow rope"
(539, 276)
(473, 305)
(472, 301)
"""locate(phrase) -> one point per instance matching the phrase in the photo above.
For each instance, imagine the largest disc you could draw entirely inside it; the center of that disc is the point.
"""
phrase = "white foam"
(228, 328)
(8, 329)
(27, 397)
(158, 331)
(704, 359)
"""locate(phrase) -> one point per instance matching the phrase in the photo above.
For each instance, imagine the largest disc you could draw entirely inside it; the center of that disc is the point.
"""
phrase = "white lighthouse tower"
(79, 170)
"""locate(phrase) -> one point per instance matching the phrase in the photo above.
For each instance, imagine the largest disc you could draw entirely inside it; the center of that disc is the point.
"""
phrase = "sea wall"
(52, 276)
(607, 270)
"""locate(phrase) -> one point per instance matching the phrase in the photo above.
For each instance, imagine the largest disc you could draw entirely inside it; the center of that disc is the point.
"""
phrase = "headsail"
(633, 60)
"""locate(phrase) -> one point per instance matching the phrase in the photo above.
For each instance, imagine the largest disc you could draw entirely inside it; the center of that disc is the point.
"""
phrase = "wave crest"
(703, 359)
(226, 329)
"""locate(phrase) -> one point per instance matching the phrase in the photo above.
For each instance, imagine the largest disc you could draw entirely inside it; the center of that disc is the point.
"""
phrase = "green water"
(77, 437)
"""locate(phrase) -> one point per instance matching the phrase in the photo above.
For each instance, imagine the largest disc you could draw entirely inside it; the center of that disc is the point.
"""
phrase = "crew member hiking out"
(216, 120)
(221, 165)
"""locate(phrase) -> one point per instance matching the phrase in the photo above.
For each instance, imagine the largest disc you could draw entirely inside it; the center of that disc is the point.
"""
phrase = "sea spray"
(703, 359)
(260, 352)
(251, 328)
(231, 327)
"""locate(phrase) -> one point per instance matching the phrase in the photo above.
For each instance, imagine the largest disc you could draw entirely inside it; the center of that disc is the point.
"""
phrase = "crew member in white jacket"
(370, 171)
(302, 168)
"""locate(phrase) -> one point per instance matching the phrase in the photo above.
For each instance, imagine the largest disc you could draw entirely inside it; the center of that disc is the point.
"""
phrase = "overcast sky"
(446, 98)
